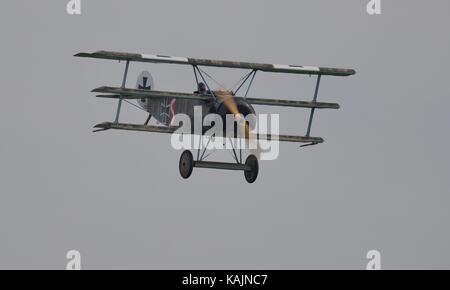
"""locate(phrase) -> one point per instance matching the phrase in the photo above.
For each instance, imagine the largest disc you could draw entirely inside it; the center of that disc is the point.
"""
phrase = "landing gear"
(252, 173)
(186, 164)
(250, 167)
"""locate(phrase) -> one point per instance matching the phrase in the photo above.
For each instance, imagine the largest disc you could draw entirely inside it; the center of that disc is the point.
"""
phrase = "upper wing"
(281, 68)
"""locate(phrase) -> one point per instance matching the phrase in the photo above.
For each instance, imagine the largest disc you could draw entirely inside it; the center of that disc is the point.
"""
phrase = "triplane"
(163, 105)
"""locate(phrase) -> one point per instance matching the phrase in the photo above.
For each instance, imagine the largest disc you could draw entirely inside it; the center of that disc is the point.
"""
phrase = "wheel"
(252, 174)
(186, 164)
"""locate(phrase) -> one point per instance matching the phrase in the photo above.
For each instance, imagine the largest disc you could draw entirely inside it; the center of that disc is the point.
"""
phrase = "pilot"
(201, 89)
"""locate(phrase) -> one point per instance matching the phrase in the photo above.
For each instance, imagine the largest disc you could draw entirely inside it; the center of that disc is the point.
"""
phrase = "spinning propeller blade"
(228, 100)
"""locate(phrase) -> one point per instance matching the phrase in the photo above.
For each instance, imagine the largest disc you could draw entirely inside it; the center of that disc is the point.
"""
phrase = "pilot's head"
(201, 88)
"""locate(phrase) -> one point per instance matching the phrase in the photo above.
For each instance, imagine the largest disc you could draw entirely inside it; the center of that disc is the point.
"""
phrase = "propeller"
(227, 98)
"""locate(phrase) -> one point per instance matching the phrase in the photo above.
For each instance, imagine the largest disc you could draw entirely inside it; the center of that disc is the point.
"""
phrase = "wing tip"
(82, 54)
(104, 125)
(348, 72)
(99, 89)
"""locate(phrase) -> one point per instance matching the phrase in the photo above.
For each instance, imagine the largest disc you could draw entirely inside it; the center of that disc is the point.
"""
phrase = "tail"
(145, 82)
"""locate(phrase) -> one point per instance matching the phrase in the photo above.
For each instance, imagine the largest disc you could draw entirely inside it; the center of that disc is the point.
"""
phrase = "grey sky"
(380, 180)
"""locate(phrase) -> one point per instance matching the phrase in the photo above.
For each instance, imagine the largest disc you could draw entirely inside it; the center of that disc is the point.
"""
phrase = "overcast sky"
(380, 181)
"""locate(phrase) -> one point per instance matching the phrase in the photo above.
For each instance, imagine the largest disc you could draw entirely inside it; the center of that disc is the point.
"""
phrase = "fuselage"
(164, 109)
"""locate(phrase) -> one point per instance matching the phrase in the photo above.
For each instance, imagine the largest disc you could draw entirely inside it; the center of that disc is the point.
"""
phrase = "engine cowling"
(242, 107)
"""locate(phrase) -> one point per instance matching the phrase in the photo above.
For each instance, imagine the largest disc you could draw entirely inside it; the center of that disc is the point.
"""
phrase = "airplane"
(163, 105)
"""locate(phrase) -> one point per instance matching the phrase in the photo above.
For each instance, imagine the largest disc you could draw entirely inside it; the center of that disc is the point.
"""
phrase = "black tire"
(252, 174)
(186, 164)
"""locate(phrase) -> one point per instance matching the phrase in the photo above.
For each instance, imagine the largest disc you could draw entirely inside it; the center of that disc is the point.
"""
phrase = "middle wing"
(125, 93)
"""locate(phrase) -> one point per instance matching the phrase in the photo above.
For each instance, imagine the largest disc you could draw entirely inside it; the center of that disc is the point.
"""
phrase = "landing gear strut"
(148, 119)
